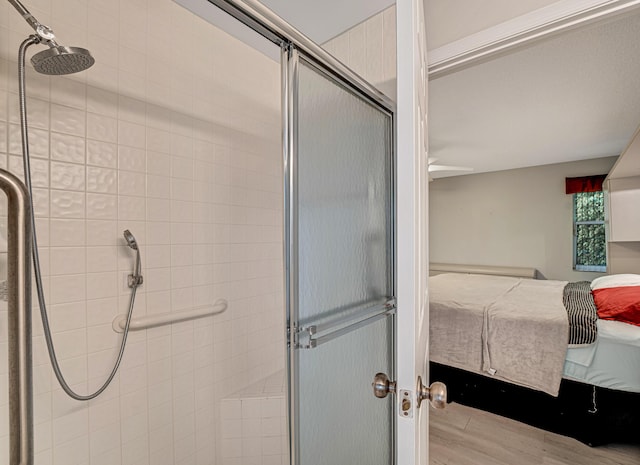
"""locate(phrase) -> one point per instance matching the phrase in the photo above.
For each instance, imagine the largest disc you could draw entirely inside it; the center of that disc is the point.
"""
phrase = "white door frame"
(522, 30)
(412, 441)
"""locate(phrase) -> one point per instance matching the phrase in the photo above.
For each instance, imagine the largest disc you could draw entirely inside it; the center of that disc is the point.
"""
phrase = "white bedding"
(457, 310)
(612, 362)
(512, 329)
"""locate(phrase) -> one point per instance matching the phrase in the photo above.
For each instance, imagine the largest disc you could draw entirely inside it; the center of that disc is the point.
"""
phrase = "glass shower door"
(340, 262)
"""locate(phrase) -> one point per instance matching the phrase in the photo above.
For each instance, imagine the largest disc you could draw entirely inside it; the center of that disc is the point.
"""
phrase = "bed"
(501, 344)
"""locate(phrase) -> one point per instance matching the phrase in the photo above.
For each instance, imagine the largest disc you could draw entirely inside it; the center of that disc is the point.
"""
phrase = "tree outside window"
(589, 240)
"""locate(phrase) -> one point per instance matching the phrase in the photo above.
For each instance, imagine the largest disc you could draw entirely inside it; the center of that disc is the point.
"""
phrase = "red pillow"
(619, 303)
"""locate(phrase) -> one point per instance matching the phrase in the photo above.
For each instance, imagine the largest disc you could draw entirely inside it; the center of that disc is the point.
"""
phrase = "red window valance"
(584, 184)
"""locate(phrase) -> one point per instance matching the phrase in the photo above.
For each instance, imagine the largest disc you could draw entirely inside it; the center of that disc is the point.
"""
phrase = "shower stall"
(266, 276)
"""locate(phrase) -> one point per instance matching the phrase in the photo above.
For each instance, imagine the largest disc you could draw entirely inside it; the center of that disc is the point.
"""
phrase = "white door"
(412, 440)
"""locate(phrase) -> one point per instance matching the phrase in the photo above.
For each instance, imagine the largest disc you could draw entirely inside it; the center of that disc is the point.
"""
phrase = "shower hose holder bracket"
(134, 280)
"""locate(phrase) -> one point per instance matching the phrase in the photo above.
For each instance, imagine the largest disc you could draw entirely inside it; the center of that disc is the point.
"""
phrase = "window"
(589, 241)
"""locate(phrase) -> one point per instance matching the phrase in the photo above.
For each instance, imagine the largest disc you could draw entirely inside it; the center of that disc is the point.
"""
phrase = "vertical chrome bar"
(289, 99)
(392, 249)
(284, 82)
(19, 316)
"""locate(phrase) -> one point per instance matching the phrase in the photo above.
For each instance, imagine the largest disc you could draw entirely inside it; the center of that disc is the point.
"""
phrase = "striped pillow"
(582, 313)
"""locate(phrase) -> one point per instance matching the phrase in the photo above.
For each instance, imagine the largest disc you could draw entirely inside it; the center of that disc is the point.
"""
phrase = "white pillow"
(615, 280)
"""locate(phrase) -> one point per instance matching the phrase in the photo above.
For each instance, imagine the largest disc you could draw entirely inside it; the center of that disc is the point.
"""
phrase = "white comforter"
(512, 329)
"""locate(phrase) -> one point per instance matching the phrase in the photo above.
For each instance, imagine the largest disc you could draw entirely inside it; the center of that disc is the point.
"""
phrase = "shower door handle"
(311, 336)
(19, 319)
(382, 386)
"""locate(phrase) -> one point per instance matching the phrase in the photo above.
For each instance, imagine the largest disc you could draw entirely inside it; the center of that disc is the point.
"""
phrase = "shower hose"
(36, 259)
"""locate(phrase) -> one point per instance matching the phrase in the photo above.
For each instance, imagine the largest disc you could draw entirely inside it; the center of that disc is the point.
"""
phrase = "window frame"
(591, 268)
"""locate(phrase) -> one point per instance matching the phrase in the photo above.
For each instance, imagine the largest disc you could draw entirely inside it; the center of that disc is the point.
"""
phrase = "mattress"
(613, 361)
(512, 329)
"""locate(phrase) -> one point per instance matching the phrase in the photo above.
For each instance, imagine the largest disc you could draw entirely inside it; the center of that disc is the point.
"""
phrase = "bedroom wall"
(517, 217)
(624, 257)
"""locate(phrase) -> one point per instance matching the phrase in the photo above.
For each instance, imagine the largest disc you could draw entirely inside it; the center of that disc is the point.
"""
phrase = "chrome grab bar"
(19, 320)
(310, 337)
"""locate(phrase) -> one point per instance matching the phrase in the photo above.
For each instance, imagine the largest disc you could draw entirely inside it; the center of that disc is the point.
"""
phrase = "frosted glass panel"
(343, 217)
(340, 420)
(344, 199)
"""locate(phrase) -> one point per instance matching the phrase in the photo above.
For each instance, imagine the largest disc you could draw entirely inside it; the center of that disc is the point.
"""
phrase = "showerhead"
(59, 60)
(131, 241)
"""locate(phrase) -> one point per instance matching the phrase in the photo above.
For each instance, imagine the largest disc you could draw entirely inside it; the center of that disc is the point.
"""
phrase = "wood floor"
(462, 435)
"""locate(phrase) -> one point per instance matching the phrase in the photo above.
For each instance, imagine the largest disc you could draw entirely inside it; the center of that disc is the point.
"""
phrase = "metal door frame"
(290, 59)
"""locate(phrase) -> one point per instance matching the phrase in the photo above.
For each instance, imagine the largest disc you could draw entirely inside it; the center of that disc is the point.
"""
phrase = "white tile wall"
(253, 424)
(174, 134)
(370, 49)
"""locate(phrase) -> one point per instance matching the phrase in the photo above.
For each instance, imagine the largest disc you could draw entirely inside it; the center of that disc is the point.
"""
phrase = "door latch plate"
(405, 404)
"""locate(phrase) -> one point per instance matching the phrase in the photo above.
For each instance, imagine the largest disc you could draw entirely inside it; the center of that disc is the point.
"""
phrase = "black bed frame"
(615, 418)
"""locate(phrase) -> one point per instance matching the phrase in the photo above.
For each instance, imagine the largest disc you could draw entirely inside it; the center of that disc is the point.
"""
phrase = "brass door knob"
(382, 386)
(436, 393)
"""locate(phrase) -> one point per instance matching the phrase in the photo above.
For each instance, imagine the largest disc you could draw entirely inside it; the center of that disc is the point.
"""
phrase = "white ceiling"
(451, 20)
(568, 98)
(447, 20)
(571, 97)
(323, 20)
